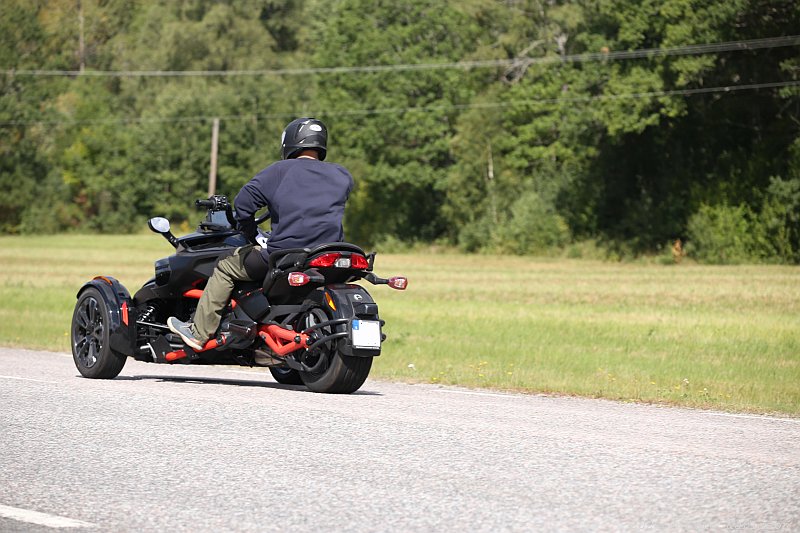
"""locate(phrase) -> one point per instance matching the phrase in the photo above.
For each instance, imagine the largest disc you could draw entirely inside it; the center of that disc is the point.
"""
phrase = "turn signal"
(298, 279)
(398, 282)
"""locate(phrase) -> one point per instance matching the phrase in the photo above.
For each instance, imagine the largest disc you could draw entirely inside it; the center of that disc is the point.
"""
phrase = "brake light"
(359, 261)
(298, 279)
(335, 259)
(325, 260)
(398, 282)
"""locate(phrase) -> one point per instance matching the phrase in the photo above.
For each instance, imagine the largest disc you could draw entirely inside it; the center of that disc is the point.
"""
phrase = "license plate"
(366, 334)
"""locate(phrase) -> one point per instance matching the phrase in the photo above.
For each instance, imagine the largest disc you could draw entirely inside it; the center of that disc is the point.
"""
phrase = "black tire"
(343, 374)
(91, 352)
(286, 376)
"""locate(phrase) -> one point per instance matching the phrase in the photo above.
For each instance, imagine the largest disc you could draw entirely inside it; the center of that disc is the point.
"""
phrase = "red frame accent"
(174, 356)
(125, 313)
(180, 354)
(282, 341)
(193, 293)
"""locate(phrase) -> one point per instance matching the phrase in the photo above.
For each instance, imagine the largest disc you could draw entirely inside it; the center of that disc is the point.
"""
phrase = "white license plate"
(366, 334)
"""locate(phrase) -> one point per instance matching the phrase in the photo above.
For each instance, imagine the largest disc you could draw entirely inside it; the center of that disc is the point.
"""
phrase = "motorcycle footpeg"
(243, 329)
(160, 348)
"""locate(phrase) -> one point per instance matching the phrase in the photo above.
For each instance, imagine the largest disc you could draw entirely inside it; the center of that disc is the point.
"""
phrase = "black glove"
(249, 229)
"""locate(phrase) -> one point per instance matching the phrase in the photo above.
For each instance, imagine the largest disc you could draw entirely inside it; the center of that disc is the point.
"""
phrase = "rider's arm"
(249, 200)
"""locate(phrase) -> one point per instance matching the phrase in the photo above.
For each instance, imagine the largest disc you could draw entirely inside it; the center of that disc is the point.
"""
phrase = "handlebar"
(215, 203)
(221, 203)
(218, 203)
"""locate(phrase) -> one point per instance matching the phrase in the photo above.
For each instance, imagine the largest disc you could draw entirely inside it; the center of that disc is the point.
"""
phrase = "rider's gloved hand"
(249, 229)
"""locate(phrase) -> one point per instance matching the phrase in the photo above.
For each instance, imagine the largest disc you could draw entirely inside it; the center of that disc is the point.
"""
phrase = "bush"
(778, 223)
(534, 227)
(477, 236)
(531, 226)
(721, 234)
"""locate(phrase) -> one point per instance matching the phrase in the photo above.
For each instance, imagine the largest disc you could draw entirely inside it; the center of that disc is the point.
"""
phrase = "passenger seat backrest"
(280, 261)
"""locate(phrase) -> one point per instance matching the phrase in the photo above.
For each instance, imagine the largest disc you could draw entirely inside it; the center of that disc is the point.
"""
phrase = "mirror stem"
(171, 238)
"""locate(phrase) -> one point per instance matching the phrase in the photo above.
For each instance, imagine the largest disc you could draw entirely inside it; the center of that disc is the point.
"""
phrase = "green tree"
(393, 128)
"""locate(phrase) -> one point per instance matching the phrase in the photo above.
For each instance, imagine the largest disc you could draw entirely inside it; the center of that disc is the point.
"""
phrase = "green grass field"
(720, 337)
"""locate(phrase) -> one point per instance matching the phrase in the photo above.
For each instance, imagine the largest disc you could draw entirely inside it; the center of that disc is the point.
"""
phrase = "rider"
(306, 200)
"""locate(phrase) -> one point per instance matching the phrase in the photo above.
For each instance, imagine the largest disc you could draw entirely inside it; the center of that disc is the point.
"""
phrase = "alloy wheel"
(88, 332)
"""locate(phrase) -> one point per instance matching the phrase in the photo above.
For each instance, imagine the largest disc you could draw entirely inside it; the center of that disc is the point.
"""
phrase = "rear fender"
(350, 302)
(121, 310)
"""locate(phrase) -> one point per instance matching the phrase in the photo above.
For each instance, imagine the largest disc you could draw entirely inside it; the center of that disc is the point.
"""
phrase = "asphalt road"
(180, 448)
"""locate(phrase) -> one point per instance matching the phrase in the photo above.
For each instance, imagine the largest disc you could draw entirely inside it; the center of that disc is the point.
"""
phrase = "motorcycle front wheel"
(340, 374)
(91, 328)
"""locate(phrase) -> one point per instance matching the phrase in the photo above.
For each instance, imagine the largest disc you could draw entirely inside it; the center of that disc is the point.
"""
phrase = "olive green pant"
(218, 291)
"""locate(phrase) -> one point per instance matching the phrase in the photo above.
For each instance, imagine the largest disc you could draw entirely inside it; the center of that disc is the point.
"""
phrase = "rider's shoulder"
(286, 165)
(277, 168)
(337, 166)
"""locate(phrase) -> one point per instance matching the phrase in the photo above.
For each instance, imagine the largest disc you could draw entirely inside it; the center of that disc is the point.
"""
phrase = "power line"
(693, 49)
(397, 110)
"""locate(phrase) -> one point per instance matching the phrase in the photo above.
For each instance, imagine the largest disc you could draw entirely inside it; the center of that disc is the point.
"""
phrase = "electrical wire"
(693, 49)
(445, 107)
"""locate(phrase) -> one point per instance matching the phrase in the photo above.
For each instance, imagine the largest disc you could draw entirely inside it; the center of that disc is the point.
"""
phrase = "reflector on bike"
(297, 279)
(398, 282)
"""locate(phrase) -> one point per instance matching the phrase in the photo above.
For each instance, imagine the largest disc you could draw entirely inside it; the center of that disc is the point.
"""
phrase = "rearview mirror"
(158, 225)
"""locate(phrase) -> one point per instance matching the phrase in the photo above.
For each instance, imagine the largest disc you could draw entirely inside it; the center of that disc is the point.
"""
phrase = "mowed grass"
(718, 337)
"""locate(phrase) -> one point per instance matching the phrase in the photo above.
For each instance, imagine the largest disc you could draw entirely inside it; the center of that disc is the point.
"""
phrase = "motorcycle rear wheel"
(343, 374)
(91, 329)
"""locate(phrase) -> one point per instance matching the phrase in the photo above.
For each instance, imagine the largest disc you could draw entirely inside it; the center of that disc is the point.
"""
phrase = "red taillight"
(298, 279)
(325, 260)
(338, 260)
(398, 282)
(359, 261)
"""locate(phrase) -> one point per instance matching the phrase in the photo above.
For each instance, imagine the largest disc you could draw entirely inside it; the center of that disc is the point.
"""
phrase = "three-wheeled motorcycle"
(309, 322)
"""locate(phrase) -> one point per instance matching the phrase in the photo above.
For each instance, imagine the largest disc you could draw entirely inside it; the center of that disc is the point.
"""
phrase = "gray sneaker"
(184, 330)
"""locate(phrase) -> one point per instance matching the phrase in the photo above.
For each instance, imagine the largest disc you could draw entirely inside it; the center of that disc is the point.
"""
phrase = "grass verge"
(701, 336)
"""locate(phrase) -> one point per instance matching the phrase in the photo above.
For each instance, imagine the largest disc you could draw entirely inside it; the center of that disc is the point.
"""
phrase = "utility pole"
(490, 184)
(212, 174)
(81, 40)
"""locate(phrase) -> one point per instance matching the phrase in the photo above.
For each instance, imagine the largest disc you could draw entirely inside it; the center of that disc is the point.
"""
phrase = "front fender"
(121, 312)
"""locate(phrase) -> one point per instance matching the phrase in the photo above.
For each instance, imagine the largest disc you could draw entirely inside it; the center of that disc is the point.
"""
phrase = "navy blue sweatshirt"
(306, 201)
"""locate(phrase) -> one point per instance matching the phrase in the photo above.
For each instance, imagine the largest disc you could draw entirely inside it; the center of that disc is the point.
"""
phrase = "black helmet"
(304, 134)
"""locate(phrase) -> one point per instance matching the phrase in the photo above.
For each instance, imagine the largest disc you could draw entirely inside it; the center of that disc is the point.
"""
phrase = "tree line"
(513, 126)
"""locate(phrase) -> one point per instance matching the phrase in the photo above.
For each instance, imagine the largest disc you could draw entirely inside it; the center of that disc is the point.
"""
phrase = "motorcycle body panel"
(350, 301)
(122, 312)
